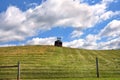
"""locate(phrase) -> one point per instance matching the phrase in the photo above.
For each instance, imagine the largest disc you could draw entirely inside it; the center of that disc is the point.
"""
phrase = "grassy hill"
(49, 62)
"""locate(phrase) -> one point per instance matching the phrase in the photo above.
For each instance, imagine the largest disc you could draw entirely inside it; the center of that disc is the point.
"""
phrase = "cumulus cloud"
(7, 45)
(7, 23)
(80, 43)
(76, 33)
(18, 25)
(64, 13)
(74, 44)
(111, 30)
(112, 33)
(12, 25)
(49, 14)
(88, 43)
(42, 41)
(111, 44)
(109, 14)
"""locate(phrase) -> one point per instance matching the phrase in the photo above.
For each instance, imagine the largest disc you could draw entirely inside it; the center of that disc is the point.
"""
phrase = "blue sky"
(89, 24)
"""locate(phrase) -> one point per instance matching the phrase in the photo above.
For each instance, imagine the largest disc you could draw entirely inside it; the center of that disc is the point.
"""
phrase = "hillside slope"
(38, 62)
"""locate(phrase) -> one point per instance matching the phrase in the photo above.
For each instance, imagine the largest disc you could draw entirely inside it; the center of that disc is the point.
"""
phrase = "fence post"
(18, 74)
(97, 67)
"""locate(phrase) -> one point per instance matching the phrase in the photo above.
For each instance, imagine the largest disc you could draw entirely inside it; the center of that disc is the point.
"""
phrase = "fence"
(14, 66)
(40, 72)
(97, 68)
(112, 68)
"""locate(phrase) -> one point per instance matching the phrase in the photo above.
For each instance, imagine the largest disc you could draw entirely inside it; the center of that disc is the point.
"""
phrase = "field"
(59, 63)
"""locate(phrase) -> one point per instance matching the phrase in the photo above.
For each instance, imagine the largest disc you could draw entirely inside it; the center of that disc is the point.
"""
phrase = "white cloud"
(80, 43)
(88, 43)
(74, 44)
(112, 34)
(64, 13)
(45, 16)
(109, 14)
(76, 33)
(7, 45)
(107, 1)
(112, 44)
(33, 5)
(91, 38)
(18, 25)
(42, 41)
(111, 30)
(10, 25)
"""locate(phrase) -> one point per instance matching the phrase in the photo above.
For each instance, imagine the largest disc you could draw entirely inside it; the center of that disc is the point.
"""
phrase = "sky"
(86, 24)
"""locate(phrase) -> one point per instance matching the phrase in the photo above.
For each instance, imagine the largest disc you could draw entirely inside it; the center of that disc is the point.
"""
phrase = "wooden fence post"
(18, 74)
(97, 67)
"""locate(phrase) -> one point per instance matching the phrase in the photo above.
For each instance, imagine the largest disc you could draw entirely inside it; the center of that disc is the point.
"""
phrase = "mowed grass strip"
(49, 62)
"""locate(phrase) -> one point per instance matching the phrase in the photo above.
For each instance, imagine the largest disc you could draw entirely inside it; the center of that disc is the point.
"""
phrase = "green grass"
(79, 79)
(59, 63)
